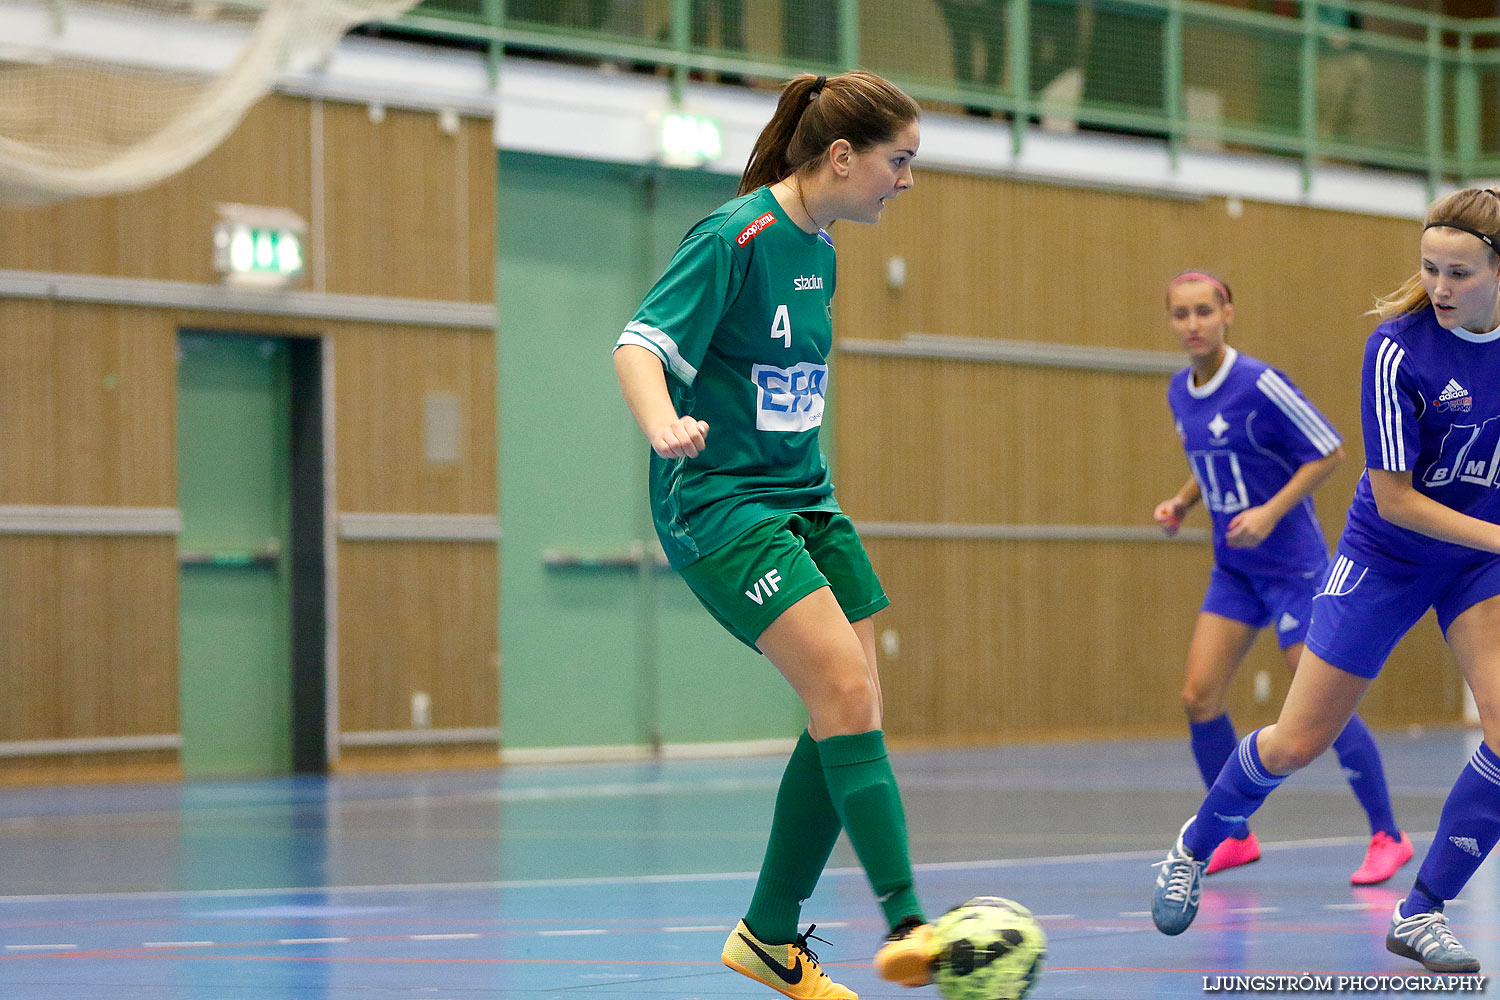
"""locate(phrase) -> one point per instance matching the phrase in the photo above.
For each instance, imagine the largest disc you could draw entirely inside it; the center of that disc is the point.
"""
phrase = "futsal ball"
(990, 949)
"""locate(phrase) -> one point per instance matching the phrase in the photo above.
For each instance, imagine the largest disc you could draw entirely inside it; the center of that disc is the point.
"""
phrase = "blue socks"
(1467, 831)
(1213, 743)
(1359, 759)
(1237, 792)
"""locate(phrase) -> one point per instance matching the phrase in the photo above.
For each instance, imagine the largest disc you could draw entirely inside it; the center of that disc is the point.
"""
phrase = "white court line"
(666, 879)
(1354, 906)
(573, 933)
(332, 940)
(441, 937)
(40, 947)
(177, 944)
(1253, 909)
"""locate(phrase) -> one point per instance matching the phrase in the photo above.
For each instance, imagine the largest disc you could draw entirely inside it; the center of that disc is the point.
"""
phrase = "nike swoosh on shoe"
(791, 976)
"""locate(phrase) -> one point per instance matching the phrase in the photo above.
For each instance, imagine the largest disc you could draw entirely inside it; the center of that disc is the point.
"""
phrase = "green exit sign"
(690, 140)
(259, 247)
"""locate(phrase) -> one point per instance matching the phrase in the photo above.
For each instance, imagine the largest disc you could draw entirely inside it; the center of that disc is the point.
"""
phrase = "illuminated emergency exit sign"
(259, 247)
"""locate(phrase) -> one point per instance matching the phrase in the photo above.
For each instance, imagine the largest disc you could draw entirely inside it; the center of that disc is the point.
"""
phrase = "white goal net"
(99, 98)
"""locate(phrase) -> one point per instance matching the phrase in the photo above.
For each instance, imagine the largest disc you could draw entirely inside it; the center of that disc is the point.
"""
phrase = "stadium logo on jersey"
(789, 399)
(1454, 398)
(804, 282)
(1217, 426)
(748, 233)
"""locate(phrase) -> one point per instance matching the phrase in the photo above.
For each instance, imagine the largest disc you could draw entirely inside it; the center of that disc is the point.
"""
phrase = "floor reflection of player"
(1258, 449)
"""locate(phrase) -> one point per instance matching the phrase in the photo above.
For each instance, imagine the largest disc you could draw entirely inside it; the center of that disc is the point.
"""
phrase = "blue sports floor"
(621, 881)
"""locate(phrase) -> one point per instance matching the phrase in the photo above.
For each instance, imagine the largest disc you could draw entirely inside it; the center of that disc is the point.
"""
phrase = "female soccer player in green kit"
(725, 369)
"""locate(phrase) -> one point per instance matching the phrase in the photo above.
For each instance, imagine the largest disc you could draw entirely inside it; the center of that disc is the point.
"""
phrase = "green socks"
(864, 793)
(804, 829)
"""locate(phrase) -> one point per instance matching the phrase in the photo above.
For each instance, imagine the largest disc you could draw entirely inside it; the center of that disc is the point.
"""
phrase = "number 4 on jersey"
(781, 326)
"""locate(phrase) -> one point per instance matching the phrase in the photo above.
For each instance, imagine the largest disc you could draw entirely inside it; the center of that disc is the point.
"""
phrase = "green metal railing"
(1318, 80)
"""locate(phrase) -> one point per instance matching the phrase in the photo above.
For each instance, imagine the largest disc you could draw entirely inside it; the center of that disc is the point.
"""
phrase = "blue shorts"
(1361, 612)
(1259, 601)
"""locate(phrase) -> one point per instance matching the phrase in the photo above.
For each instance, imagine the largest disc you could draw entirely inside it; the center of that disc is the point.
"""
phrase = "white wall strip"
(1027, 532)
(642, 751)
(45, 520)
(218, 298)
(419, 527)
(1019, 352)
(93, 744)
(418, 737)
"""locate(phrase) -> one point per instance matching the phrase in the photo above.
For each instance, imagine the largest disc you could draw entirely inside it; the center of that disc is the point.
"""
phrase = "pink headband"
(1200, 276)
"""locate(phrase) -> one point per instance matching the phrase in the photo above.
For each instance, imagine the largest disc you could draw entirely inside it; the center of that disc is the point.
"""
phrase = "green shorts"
(749, 582)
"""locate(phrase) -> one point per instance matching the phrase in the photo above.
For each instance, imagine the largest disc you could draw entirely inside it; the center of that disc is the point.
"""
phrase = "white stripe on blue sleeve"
(661, 345)
(1298, 411)
(1388, 406)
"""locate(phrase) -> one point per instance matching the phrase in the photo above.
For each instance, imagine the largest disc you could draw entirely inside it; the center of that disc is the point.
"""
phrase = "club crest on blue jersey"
(1453, 399)
(789, 399)
(1217, 426)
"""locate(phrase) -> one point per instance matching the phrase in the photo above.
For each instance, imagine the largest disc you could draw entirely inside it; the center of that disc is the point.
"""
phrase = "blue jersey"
(1246, 432)
(1430, 406)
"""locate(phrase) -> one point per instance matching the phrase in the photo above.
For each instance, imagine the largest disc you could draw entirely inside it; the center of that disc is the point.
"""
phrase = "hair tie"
(817, 87)
(1200, 276)
(1488, 241)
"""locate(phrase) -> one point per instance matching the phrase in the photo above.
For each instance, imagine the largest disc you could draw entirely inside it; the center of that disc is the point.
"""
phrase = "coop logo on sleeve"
(748, 233)
(789, 399)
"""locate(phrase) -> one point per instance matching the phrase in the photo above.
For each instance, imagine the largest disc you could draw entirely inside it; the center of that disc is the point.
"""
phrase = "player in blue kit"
(1258, 449)
(1423, 532)
(725, 369)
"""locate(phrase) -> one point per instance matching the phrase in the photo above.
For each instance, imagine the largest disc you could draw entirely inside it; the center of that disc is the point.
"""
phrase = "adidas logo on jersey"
(803, 282)
(1454, 398)
(1287, 622)
(1468, 845)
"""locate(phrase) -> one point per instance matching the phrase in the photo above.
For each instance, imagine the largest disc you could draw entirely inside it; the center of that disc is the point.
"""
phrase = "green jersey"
(743, 324)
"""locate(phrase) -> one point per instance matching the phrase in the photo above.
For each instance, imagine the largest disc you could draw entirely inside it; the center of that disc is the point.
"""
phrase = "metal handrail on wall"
(1443, 73)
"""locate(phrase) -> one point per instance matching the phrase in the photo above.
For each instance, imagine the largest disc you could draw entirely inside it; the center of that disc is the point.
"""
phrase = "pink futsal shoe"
(1382, 859)
(1233, 853)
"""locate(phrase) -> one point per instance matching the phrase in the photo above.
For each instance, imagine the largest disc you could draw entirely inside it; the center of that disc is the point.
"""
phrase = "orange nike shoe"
(787, 968)
(908, 954)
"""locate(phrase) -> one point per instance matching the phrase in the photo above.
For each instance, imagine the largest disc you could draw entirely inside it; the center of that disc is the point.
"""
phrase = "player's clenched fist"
(682, 438)
(1169, 515)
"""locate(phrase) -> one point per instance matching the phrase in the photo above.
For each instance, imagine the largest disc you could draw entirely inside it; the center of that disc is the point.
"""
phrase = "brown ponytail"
(813, 111)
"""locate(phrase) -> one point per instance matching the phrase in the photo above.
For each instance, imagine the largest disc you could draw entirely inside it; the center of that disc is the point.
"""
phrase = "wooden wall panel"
(413, 227)
(993, 257)
(409, 209)
(166, 231)
(88, 408)
(1012, 639)
(93, 387)
(382, 382)
(418, 616)
(90, 626)
(1002, 641)
(980, 442)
